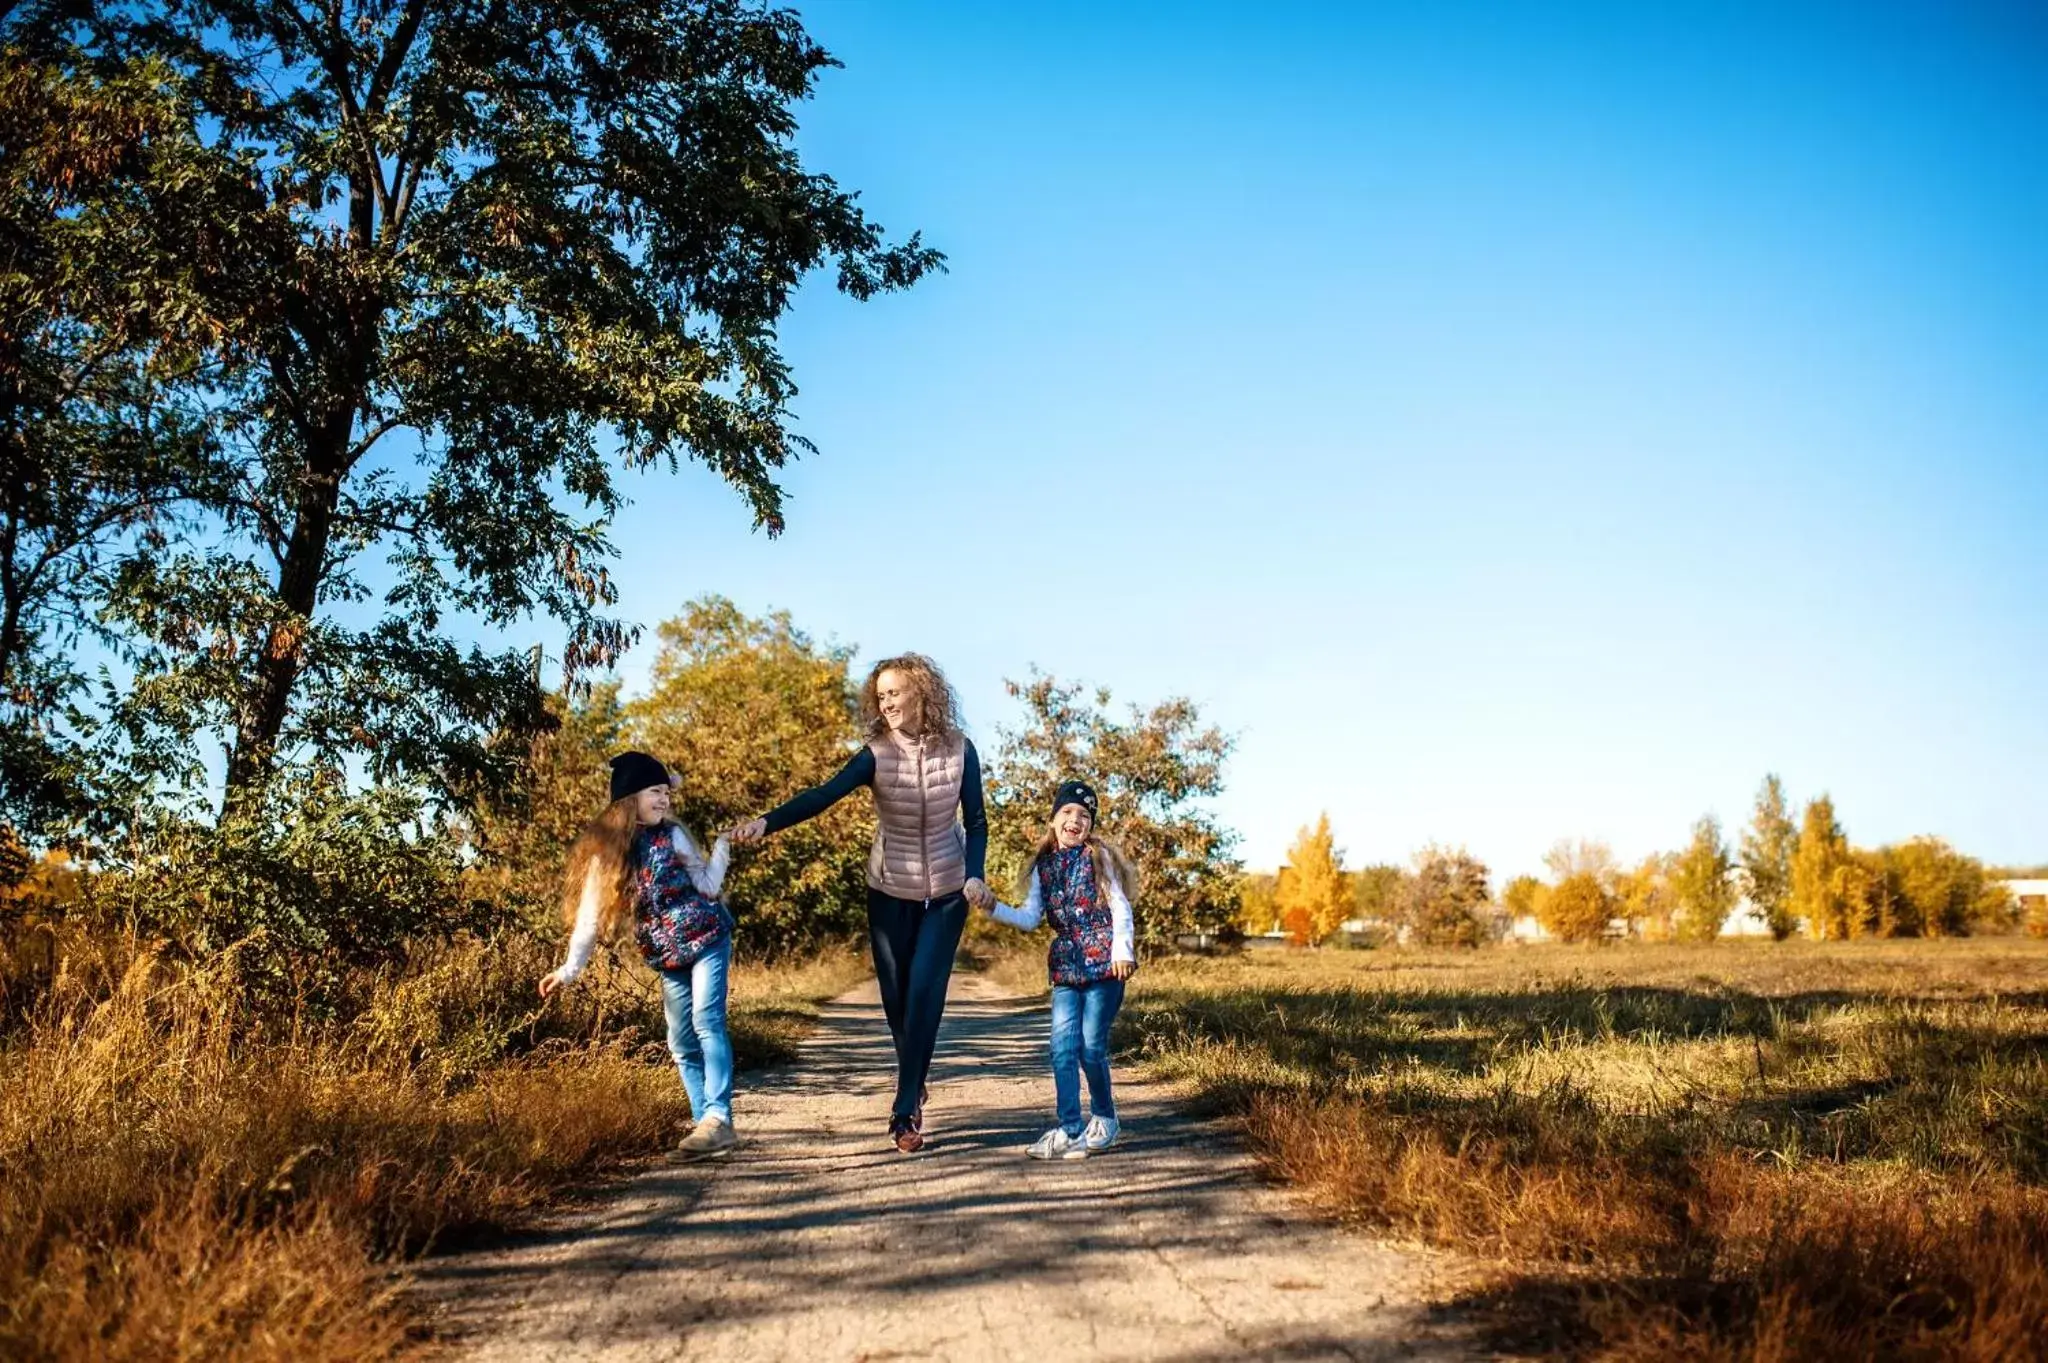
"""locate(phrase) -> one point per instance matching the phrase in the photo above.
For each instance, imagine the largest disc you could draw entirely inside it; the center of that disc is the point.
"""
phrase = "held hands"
(1123, 970)
(753, 830)
(979, 895)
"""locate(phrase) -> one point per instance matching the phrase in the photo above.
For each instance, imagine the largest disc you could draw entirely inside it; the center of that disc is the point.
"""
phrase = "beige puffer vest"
(920, 849)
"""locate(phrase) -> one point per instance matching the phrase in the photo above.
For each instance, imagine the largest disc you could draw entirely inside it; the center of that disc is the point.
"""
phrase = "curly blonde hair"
(938, 709)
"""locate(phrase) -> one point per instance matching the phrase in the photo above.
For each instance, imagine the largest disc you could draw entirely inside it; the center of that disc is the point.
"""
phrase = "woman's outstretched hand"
(550, 982)
(753, 830)
(979, 894)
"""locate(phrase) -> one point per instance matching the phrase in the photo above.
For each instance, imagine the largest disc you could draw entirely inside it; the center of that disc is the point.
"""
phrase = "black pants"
(914, 941)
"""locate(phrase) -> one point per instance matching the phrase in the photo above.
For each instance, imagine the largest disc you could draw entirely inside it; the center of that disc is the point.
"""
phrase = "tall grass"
(185, 1174)
(1760, 1152)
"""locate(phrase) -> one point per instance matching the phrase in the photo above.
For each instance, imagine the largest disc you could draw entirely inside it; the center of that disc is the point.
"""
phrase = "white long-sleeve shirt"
(707, 875)
(1122, 923)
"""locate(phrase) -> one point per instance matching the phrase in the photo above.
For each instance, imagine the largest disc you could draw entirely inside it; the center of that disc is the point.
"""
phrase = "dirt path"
(817, 1243)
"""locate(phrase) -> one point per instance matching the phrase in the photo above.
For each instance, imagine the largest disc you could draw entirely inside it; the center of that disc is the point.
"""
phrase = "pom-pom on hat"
(1074, 793)
(633, 772)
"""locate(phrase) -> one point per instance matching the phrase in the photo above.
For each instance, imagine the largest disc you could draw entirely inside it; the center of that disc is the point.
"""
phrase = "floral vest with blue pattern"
(1082, 926)
(673, 922)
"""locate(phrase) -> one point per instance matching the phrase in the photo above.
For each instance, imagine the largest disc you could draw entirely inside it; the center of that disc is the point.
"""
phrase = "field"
(1739, 1150)
(185, 1175)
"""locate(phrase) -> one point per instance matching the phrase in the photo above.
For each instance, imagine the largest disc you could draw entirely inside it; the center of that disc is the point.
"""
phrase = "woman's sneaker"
(903, 1131)
(1057, 1144)
(712, 1136)
(1101, 1133)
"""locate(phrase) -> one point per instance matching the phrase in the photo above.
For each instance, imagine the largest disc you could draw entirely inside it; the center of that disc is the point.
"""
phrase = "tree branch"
(395, 53)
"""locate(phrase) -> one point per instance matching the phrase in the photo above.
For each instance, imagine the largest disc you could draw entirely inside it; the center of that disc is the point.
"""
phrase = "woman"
(931, 839)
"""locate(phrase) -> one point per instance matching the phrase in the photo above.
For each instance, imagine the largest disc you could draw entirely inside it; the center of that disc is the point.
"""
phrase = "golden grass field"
(1740, 1150)
(183, 1176)
(1745, 1150)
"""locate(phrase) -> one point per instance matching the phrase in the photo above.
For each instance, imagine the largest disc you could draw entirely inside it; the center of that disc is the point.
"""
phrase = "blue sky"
(1512, 422)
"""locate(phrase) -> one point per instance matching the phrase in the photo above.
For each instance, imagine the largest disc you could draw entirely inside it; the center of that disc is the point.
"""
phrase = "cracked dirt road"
(816, 1242)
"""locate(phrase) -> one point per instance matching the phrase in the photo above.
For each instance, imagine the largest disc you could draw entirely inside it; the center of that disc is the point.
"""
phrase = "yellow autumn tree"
(1313, 895)
(1826, 881)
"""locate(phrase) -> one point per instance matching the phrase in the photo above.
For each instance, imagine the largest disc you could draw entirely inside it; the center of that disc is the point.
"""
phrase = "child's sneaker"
(712, 1136)
(905, 1134)
(1101, 1133)
(1057, 1144)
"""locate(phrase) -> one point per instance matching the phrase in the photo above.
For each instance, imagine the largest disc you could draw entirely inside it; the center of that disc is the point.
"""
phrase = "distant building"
(2032, 894)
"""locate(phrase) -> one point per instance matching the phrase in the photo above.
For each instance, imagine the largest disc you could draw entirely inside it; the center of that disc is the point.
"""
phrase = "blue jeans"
(693, 1001)
(1081, 1017)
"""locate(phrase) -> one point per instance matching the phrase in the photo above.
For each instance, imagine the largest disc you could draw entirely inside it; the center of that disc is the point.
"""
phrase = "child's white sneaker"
(1057, 1144)
(1101, 1133)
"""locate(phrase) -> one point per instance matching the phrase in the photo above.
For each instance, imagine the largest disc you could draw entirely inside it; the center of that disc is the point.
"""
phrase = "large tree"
(457, 262)
(1151, 770)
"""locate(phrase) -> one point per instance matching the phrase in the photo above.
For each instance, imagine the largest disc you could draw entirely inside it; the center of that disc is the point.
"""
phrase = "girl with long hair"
(1083, 884)
(635, 863)
(931, 839)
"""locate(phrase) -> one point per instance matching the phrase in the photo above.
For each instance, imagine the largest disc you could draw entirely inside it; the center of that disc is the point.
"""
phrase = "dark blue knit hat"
(633, 772)
(1074, 793)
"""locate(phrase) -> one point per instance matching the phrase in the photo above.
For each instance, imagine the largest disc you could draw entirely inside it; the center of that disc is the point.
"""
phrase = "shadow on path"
(817, 1241)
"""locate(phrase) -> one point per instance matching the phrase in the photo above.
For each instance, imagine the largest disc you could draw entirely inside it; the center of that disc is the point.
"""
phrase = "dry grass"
(182, 1176)
(1730, 1151)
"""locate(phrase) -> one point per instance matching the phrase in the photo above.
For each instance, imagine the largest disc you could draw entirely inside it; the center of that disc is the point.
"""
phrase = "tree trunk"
(281, 653)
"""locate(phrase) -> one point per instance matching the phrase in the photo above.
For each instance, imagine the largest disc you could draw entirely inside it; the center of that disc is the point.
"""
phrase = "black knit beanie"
(1074, 793)
(633, 772)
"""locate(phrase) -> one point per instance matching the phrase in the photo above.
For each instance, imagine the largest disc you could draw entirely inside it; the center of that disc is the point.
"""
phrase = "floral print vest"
(1082, 927)
(672, 920)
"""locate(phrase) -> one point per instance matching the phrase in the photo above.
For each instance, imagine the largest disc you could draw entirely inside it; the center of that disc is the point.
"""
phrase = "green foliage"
(747, 711)
(1578, 908)
(1151, 771)
(299, 888)
(1447, 899)
(1702, 879)
(1311, 895)
(522, 835)
(511, 240)
(100, 452)
(1767, 849)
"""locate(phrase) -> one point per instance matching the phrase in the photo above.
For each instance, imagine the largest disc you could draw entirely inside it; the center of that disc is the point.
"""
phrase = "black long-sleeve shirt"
(860, 771)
